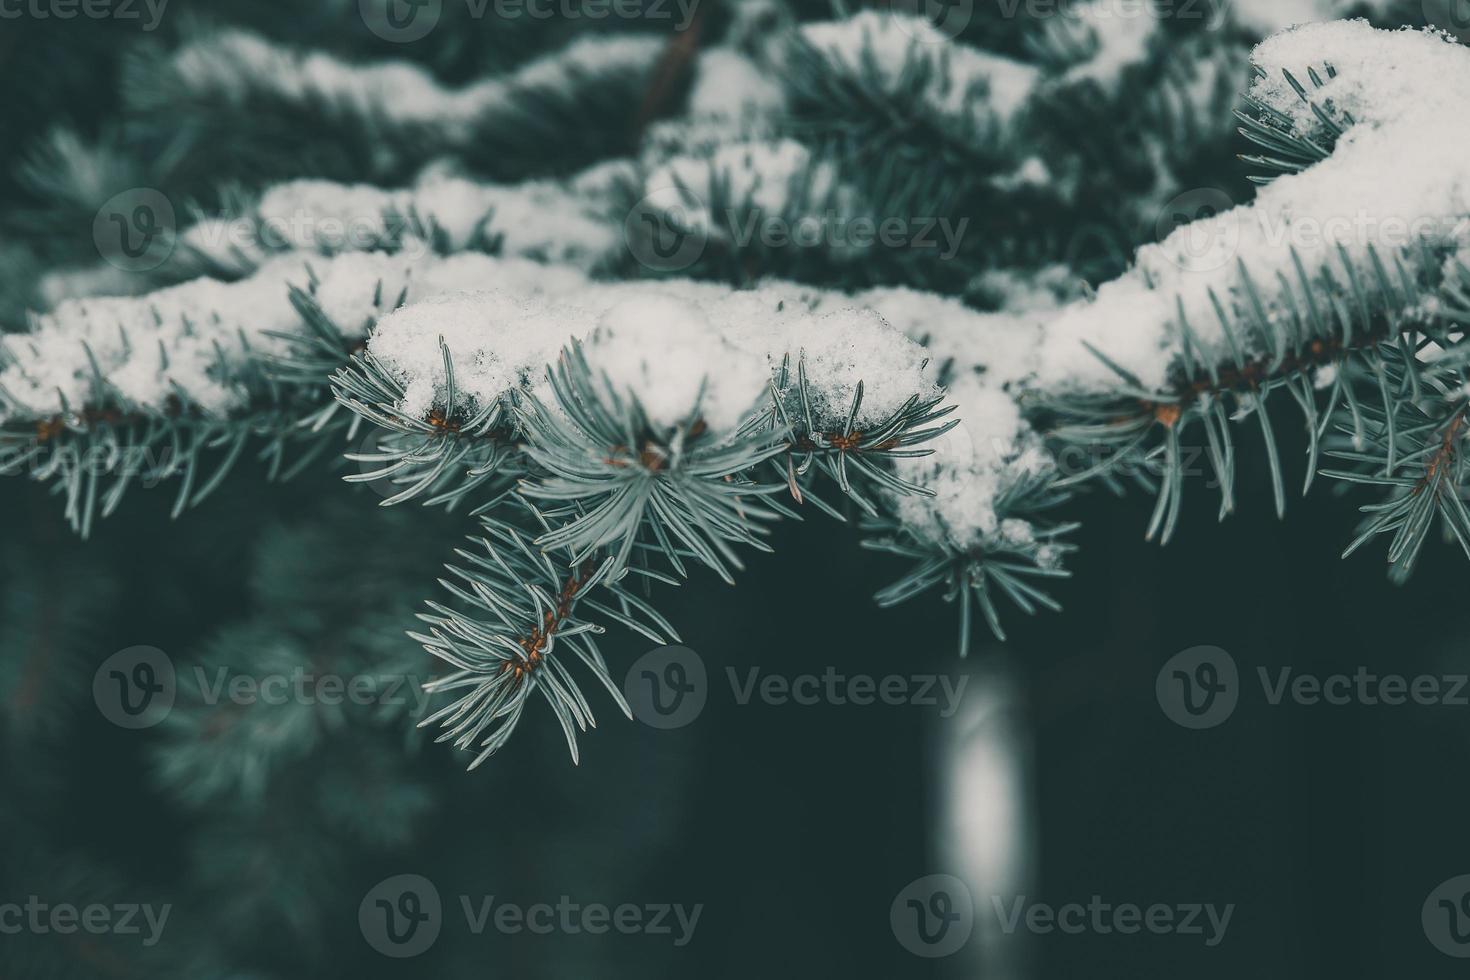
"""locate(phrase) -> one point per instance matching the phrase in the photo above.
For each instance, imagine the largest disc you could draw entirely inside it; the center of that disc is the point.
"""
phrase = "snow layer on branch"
(1397, 179)
(770, 179)
(965, 80)
(661, 342)
(669, 355)
(973, 465)
(190, 342)
(544, 220)
(730, 85)
(235, 65)
(683, 348)
(994, 447)
(1403, 77)
(100, 279)
(1265, 17)
(839, 338)
(1002, 346)
(1121, 31)
(498, 341)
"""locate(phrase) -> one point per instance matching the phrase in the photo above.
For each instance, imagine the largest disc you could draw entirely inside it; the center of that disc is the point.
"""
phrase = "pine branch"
(381, 122)
(1364, 321)
(144, 410)
(525, 602)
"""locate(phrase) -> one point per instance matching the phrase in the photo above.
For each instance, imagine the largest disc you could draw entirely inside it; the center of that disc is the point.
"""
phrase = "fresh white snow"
(1397, 179)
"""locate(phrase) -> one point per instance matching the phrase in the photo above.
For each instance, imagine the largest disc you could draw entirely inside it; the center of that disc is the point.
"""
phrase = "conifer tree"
(595, 310)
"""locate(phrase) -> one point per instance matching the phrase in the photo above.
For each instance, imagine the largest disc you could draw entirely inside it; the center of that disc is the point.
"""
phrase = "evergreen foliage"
(585, 497)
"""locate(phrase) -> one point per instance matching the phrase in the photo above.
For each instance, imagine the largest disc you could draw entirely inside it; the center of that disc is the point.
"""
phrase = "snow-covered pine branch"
(103, 394)
(1177, 334)
(228, 114)
(646, 426)
(397, 117)
(902, 120)
(388, 119)
(559, 222)
(1342, 275)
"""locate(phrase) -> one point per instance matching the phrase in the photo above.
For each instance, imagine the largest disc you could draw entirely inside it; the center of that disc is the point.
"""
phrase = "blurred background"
(794, 826)
(798, 830)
